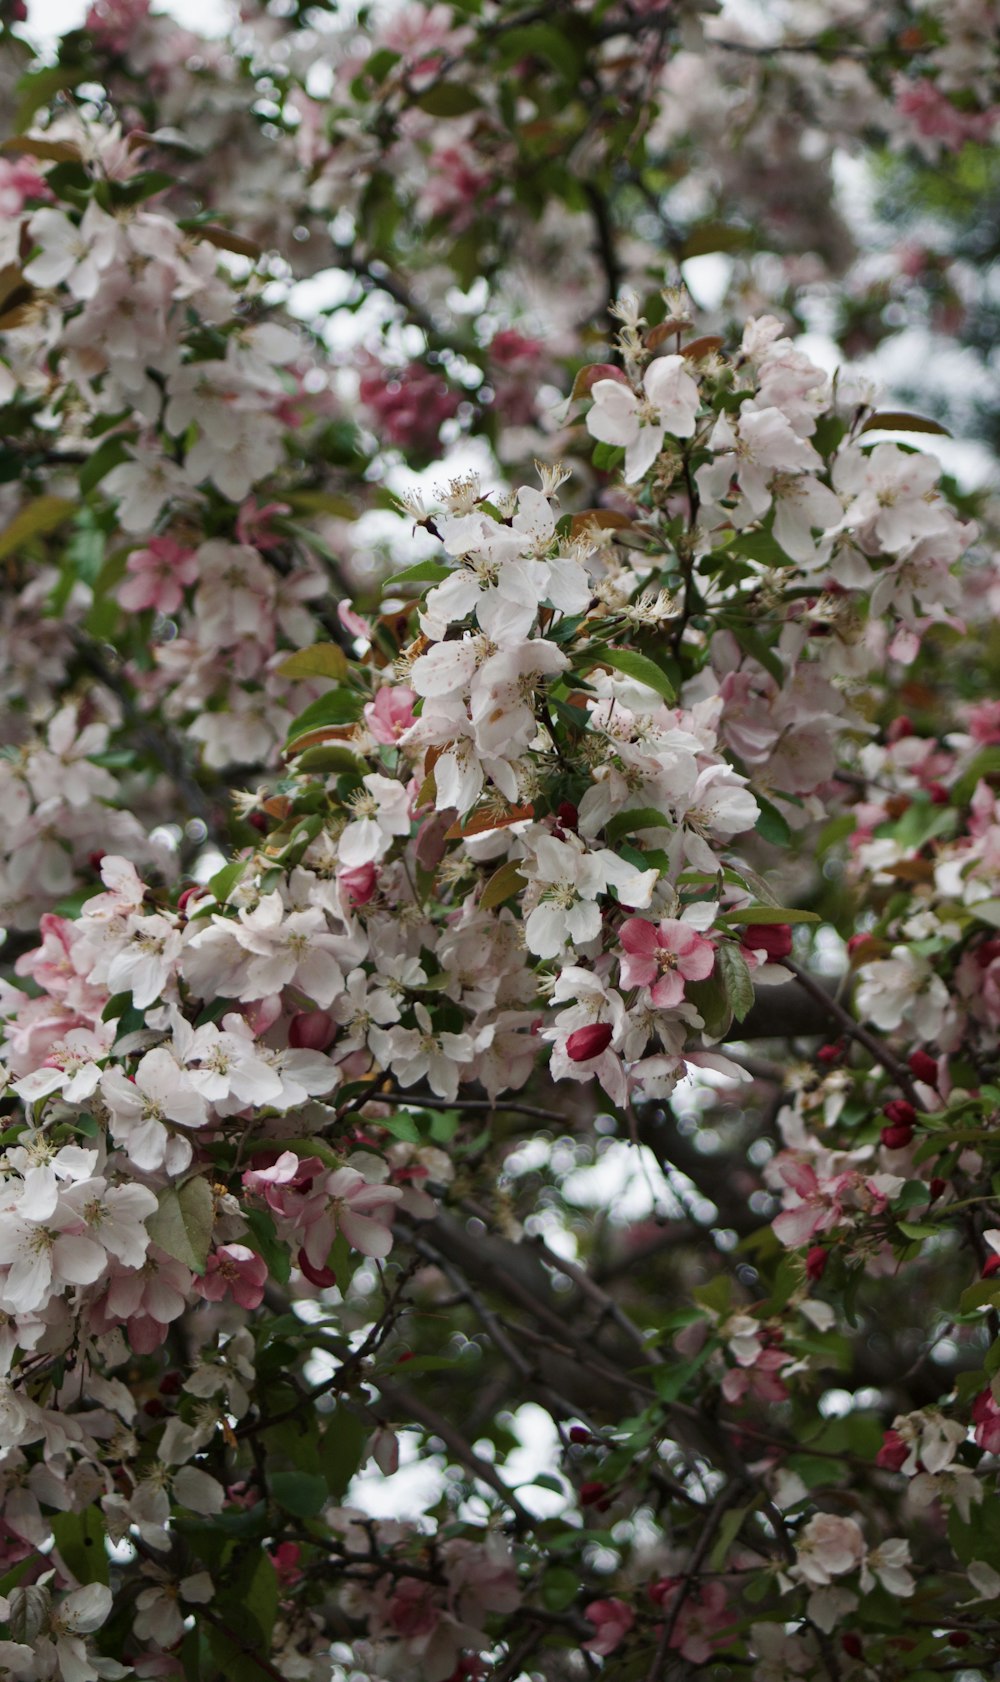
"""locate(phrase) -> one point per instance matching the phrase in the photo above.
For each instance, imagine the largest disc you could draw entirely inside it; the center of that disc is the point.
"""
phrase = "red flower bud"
(851, 1644)
(937, 1186)
(900, 1113)
(315, 1275)
(924, 1067)
(898, 728)
(258, 821)
(568, 815)
(773, 938)
(893, 1453)
(959, 1638)
(992, 1266)
(816, 1260)
(170, 1383)
(831, 1053)
(986, 953)
(856, 941)
(897, 1138)
(579, 1434)
(591, 1493)
(939, 794)
(311, 1030)
(585, 1043)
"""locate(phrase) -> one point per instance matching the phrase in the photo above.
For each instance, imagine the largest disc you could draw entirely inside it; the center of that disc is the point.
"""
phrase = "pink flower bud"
(312, 1030)
(900, 1113)
(773, 938)
(893, 1453)
(316, 1275)
(358, 885)
(924, 1067)
(585, 1043)
(897, 1138)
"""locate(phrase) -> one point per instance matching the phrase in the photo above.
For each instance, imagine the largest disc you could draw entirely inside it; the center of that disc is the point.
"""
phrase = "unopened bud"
(311, 1030)
(773, 938)
(897, 1138)
(324, 1276)
(900, 1113)
(924, 1067)
(585, 1043)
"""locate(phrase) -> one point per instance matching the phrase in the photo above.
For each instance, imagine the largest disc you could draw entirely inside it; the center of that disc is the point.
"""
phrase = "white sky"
(48, 19)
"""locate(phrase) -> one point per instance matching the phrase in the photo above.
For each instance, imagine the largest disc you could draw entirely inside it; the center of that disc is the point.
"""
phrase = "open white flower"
(668, 403)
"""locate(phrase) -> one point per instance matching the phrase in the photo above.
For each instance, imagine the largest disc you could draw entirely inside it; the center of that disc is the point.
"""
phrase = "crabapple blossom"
(668, 403)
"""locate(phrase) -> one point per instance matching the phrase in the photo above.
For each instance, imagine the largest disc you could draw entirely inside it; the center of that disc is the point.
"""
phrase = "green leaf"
(449, 99)
(502, 885)
(735, 976)
(109, 454)
(340, 1450)
(729, 1529)
(39, 86)
(423, 572)
(896, 420)
(771, 825)
(301, 1493)
(402, 1126)
(711, 1001)
(628, 823)
(341, 706)
(225, 880)
(715, 236)
(754, 914)
(268, 1245)
(80, 1540)
(182, 1222)
(985, 1292)
(560, 1587)
(324, 659)
(116, 1007)
(638, 667)
(330, 756)
(41, 516)
(987, 911)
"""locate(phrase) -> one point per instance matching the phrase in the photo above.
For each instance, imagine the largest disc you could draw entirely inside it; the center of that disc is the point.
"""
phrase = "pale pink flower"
(157, 577)
(662, 957)
(390, 713)
(234, 1270)
(612, 1619)
(668, 404)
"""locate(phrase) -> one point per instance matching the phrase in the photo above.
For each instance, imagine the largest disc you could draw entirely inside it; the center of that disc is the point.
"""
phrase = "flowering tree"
(384, 867)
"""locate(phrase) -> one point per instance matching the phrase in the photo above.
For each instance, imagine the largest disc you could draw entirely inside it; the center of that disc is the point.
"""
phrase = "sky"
(48, 19)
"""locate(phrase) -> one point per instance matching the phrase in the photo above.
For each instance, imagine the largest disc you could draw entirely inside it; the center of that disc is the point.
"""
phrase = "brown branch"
(855, 1030)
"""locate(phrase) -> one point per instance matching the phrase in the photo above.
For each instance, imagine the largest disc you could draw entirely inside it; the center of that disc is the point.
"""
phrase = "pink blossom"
(158, 575)
(234, 1270)
(705, 1611)
(409, 404)
(390, 713)
(986, 1419)
(253, 523)
(612, 1620)
(664, 956)
(19, 181)
(357, 885)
